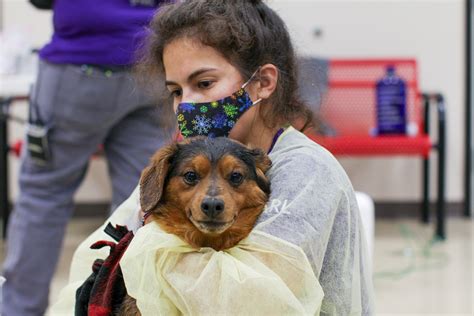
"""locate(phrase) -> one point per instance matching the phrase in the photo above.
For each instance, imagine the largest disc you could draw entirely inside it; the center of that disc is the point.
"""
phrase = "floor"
(412, 274)
(418, 276)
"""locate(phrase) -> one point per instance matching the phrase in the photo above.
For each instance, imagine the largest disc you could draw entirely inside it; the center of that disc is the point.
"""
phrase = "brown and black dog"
(208, 192)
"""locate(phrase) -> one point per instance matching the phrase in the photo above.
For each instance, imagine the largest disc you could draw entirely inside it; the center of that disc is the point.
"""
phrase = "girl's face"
(198, 73)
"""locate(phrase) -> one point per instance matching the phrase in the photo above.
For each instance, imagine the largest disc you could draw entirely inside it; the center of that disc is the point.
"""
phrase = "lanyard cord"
(275, 138)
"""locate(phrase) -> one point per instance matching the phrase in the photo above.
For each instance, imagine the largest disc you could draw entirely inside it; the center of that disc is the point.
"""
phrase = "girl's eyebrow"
(192, 76)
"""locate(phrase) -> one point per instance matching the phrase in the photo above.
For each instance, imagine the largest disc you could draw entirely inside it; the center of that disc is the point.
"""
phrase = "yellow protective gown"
(262, 275)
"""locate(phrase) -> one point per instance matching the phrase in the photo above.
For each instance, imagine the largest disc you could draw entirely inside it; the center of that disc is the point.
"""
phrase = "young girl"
(230, 68)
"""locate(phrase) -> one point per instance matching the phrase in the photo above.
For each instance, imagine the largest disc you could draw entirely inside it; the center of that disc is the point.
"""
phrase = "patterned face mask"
(214, 119)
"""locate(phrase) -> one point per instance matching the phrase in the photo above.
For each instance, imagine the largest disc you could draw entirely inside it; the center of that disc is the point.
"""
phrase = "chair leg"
(425, 211)
(4, 205)
(440, 212)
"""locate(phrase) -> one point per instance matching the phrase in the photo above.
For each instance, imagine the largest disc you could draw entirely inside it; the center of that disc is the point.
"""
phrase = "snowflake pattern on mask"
(183, 130)
(219, 120)
(201, 124)
(214, 118)
(186, 107)
(244, 102)
(230, 110)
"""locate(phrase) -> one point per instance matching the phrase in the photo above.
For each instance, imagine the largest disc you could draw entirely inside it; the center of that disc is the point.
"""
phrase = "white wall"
(429, 30)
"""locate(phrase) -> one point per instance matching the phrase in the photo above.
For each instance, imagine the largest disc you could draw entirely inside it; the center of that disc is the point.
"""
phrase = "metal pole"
(469, 144)
(425, 212)
(4, 205)
(440, 212)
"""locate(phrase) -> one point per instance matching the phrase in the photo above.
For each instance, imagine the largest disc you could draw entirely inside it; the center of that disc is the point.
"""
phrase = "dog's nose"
(212, 206)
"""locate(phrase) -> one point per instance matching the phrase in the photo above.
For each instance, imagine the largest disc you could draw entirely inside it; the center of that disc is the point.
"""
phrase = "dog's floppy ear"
(262, 164)
(153, 177)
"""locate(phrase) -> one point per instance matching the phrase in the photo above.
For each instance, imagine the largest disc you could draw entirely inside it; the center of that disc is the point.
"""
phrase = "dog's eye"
(190, 177)
(236, 178)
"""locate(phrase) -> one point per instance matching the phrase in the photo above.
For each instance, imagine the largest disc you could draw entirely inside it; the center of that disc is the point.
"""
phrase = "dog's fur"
(185, 179)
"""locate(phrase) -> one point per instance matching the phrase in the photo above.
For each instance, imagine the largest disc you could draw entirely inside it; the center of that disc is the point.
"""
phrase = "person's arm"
(83, 258)
(317, 211)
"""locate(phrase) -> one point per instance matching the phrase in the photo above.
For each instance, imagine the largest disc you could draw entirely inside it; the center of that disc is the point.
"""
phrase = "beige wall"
(431, 31)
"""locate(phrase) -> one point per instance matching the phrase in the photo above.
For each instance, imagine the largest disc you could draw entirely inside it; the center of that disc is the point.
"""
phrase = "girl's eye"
(205, 84)
(236, 178)
(191, 178)
(176, 93)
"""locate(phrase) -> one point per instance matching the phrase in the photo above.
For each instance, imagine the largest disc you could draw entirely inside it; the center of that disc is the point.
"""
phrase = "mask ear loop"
(251, 77)
(250, 80)
(256, 102)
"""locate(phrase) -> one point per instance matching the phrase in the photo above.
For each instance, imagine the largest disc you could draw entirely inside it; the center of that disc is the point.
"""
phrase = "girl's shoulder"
(298, 156)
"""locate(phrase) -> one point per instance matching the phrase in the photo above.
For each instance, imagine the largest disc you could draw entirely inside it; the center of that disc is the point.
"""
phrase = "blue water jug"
(391, 104)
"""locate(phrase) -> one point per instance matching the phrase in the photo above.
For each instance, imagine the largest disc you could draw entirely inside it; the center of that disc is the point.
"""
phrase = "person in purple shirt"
(84, 97)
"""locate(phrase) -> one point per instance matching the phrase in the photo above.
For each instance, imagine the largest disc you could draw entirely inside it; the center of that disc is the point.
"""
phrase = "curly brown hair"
(247, 32)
